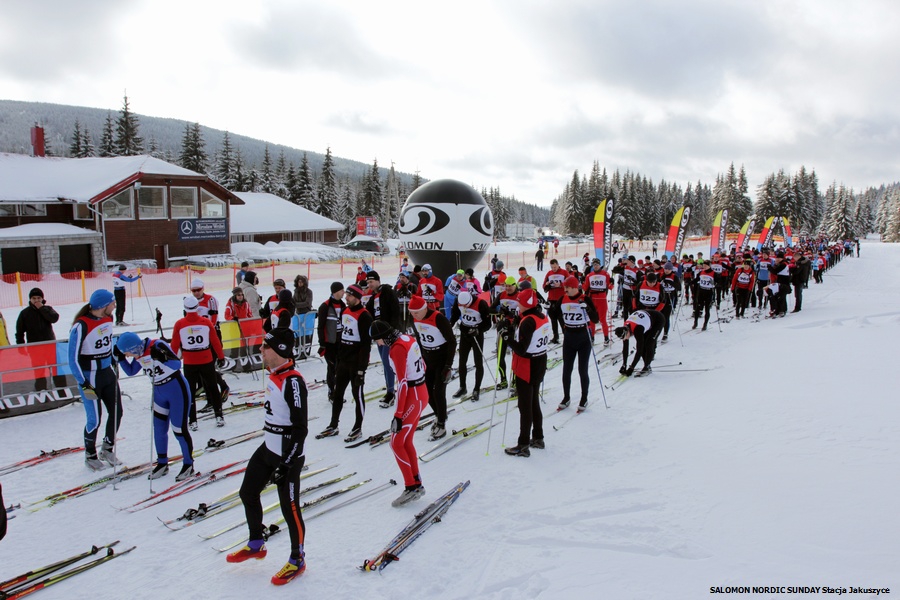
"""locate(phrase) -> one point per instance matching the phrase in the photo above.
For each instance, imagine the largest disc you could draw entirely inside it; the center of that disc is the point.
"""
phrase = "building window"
(82, 212)
(184, 202)
(33, 210)
(211, 207)
(119, 206)
(8, 210)
(152, 203)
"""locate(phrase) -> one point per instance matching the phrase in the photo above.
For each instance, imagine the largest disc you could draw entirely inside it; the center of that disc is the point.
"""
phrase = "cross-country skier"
(474, 319)
(412, 397)
(119, 281)
(644, 326)
(383, 304)
(279, 459)
(597, 283)
(171, 397)
(194, 337)
(579, 316)
(529, 343)
(352, 361)
(438, 344)
(704, 293)
(90, 357)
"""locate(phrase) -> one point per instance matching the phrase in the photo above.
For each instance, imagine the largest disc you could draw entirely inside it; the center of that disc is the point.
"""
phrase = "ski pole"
(152, 416)
(487, 451)
(587, 327)
(718, 319)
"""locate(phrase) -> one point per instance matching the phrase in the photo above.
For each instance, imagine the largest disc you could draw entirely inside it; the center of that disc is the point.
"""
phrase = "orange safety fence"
(77, 287)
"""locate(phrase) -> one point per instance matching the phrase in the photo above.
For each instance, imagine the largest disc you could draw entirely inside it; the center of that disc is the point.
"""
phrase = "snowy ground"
(777, 467)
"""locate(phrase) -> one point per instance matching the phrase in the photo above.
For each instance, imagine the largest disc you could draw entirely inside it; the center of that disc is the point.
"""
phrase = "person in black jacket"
(329, 329)
(799, 277)
(383, 304)
(35, 322)
(780, 273)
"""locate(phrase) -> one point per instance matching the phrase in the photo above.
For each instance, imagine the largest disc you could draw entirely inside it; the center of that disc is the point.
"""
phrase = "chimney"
(37, 140)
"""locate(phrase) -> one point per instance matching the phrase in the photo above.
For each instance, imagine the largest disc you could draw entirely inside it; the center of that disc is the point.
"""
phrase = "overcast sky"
(514, 94)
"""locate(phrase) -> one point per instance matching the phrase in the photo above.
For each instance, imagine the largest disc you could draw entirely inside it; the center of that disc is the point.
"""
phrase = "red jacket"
(195, 337)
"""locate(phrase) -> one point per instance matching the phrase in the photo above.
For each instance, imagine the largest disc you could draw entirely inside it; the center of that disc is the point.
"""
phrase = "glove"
(89, 392)
(117, 354)
(140, 276)
(471, 332)
(396, 425)
(321, 351)
(629, 372)
(220, 363)
(505, 335)
(445, 374)
(622, 369)
(281, 473)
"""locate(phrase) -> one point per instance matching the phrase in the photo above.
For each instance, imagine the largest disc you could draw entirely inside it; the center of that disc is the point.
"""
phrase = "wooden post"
(83, 290)
(308, 270)
(19, 288)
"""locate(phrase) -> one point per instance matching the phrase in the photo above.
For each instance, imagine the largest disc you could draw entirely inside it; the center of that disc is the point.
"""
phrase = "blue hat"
(131, 343)
(101, 299)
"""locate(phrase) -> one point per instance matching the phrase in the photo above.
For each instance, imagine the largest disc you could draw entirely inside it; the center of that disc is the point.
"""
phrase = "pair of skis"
(38, 579)
(36, 460)
(423, 520)
(458, 437)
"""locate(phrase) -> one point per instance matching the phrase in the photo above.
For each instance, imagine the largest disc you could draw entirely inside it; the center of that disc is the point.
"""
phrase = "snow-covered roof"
(30, 179)
(267, 213)
(43, 230)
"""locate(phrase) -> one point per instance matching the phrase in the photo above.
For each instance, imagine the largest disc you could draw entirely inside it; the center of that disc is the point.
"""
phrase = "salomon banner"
(33, 378)
(746, 232)
(718, 229)
(602, 231)
(677, 229)
(788, 238)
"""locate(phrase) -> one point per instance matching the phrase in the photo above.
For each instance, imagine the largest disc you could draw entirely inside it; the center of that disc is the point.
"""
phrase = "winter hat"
(382, 330)
(355, 291)
(416, 303)
(237, 290)
(285, 296)
(461, 273)
(571, 282)
(191, 304)
(510, 280)
(498, 264)
(101, 299)
(130, 342)
(245, 264)
(373, 275)
(197, 284)
(668, 266)
(525, 285)
(281, 341)
(36, 292)
(251, 278)
(336, 287)
(527, 299)
(122, 267)
(464, 298)
(279, 282)
(426, 267)
(470, 271)
(404, 273)
(416, 269)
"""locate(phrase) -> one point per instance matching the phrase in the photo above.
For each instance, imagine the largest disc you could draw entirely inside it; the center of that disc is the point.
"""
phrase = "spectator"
(35, 322)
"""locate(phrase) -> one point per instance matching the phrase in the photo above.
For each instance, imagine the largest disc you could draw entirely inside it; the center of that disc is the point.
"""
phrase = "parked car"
(367, 244)
(548, 239)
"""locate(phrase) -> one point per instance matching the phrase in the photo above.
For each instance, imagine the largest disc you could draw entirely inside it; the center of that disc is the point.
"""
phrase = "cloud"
(658, 48)
(313, 37)
(44, 41)
(358, 122)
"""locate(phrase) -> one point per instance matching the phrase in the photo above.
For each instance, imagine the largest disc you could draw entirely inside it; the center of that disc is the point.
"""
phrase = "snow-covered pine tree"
(372, 197)
(267, 179)
(128, 140)
(108, 139)
(75, 145)
(307, 190)
(328, 191)
(225, 171)
(391, 213)
(839, 222)
(193, 150)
